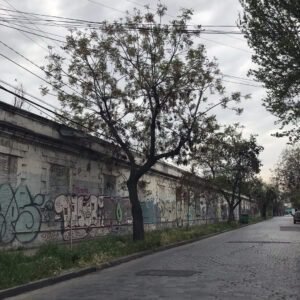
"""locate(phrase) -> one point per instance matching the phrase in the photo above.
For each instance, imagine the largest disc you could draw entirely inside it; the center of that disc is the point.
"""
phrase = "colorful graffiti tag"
(24, 216)
(20, 217)
(83, 216)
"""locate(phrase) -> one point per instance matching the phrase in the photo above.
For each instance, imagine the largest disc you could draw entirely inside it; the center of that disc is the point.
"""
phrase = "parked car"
(296, 216)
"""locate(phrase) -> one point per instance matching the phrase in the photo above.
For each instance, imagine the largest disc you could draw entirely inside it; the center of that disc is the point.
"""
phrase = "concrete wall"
(56, 184)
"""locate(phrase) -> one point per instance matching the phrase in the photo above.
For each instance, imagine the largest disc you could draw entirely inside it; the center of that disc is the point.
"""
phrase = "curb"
(14, 291)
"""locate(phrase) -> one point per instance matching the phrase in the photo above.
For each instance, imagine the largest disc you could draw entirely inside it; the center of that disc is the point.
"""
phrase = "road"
(259, 261)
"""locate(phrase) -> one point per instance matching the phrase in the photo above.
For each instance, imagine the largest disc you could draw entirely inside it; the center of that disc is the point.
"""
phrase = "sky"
(231, 51)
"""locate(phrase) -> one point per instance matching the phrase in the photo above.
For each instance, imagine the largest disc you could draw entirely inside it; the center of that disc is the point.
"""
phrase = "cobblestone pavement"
(260, 261)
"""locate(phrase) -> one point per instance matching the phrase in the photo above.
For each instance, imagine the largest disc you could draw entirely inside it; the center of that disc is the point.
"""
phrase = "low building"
(61, 184)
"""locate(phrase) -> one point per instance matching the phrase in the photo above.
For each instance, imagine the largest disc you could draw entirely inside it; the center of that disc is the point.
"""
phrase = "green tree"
(273, 197)
(229, 161)
(267, 197)
(287, 174)
(142, 84)
(272, 29)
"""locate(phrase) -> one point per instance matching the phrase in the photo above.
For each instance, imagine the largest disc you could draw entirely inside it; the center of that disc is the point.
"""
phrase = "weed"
(51, 259)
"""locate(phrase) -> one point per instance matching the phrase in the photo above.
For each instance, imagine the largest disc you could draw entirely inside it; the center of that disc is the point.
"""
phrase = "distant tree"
(272, 28)
(256, 191)
(273, 196)
(287, 174)
(267, 197)
(229, 162)
(144, 86)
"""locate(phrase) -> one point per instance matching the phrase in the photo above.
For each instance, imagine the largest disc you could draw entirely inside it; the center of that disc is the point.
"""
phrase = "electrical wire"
(26, 93)
(30, 32)
(241, 83)
(49, 110)
(83, 23)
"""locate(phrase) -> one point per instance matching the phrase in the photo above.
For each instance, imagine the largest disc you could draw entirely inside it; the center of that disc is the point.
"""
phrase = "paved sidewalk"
(261, 261)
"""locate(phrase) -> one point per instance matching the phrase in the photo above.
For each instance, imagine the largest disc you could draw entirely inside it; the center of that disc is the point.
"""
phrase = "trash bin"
(244, 219)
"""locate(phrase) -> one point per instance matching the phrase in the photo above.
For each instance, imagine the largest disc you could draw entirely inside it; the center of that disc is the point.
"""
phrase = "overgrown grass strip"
(16, 268)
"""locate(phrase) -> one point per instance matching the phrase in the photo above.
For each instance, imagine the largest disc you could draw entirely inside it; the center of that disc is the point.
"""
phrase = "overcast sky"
(231, 51)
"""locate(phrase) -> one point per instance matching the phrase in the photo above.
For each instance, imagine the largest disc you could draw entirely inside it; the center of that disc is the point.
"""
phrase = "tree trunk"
(231, 217)
(136, 210)
(264, 211)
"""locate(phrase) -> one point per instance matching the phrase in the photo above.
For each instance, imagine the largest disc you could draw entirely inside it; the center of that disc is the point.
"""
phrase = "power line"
(39, 30)
(34, 74)
(41, 111)
(60, 115)
(26, 93)
(6, 1)
(83, 21)
(30, 32)
(28, 37)
(34, 103)
(220, 43)
(18, 53)
(237, 77)
(19, 65)
(43, 107)
(80, 22)
(233, 47)
(24, 68)
(241, 83)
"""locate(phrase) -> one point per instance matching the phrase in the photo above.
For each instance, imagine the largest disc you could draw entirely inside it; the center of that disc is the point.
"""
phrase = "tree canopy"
(229, 160)
(144, 85)
(272, 28)
(267, 196)
(287, 174)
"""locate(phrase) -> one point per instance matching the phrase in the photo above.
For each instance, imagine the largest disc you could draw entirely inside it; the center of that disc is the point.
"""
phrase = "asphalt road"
(261, 261)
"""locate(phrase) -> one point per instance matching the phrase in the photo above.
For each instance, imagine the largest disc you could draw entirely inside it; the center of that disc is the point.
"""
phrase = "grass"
(51, 259)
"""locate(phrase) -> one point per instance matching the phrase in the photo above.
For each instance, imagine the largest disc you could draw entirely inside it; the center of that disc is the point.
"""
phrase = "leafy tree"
(144, 86)
(273, 198)
(229, 161)
(272, 28)
(265, 195)
(287, 174)
(256, 191)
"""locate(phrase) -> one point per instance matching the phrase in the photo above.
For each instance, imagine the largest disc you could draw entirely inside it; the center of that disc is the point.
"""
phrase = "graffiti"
(199, 208)
(20, 216)
(160, 211)
(167, 210)
(80, 191)
(50, 236)
(81, 215)
(25, 218)
(150, 211)
(48, 213)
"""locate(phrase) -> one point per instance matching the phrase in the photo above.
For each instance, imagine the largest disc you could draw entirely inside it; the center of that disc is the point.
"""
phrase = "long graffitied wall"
(42, 201)
(27, 218)
(52, 195)
(54, 187)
